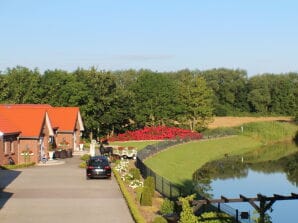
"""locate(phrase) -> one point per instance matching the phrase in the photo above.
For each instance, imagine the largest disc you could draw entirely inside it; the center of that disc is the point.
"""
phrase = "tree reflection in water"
(277, 158)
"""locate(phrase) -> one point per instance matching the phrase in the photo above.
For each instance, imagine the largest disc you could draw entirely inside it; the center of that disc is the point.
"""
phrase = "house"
(35, 131)
(38, 126)
(68, 126)
(8, 141)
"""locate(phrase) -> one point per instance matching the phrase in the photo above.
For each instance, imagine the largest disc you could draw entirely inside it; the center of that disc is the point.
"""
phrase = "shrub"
(135, 173)
(167, 207)
(83, 164)
(187, 215)
(85, 157)
(157, 133)
(146, 198)
(215, 217)
(150, 183)
(159, 219)
(139, 191)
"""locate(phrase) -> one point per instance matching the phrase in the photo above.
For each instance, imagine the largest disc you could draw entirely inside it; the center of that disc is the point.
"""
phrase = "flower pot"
(51, 155)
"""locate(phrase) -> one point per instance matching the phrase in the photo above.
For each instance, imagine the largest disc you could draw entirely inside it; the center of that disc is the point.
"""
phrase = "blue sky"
(258, 36)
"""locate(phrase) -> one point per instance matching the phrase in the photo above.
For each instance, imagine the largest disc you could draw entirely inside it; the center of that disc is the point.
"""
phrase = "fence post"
(237, 215)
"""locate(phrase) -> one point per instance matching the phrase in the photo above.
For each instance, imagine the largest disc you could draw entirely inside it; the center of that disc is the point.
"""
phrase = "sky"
(259, 36)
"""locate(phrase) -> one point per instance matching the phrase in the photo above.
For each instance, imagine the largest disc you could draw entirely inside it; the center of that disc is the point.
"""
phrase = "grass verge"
(17, 166)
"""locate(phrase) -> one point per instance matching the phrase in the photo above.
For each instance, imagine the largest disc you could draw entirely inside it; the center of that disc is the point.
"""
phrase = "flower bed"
(157, 133)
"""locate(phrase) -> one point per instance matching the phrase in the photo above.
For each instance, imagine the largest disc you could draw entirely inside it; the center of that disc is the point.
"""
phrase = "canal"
(268, 170)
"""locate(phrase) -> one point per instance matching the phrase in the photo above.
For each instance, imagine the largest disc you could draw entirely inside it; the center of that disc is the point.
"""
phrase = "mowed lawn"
(178, 163)
(138, 144)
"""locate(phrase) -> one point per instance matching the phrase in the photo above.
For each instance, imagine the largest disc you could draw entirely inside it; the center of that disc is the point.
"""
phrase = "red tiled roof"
(28, 120)
(6, 126)
(64, 117)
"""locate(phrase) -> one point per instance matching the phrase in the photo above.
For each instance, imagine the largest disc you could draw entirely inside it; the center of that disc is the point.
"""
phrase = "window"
(6, 147)
(12, 147)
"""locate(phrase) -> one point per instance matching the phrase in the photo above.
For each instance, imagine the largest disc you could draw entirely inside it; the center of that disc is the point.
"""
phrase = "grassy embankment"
(178, 163)
(138, 144)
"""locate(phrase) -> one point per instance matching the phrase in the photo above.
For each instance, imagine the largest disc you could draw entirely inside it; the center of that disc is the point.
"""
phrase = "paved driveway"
(59, 193)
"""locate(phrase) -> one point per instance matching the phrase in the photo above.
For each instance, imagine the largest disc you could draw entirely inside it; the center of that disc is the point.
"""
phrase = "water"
(269, 170)
(265, 184)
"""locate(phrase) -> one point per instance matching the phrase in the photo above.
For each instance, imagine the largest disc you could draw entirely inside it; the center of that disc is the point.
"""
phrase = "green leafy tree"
(23, 85)
(229, 88)
(4, 89)
(196, 101)
(155, 98)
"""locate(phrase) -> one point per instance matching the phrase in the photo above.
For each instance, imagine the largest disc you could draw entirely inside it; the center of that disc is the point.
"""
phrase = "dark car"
(98, 167)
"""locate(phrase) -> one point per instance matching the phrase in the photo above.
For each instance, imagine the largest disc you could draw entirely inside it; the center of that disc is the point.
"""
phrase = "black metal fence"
(167, 188)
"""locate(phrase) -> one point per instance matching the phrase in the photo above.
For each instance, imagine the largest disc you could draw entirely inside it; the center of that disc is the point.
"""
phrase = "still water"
(265, 184)
(267, 171)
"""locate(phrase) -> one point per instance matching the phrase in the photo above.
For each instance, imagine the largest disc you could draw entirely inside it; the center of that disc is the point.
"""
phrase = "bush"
(139, 191)
(85, 157)
(215, 217)
(157, 133)
(187, 215)
(150, 183)
(136, 174)
(167, 207)
(83, 164)
(159, 219)
(146, 198)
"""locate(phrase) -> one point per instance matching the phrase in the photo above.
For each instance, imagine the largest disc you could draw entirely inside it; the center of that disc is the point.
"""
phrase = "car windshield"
(98, 162)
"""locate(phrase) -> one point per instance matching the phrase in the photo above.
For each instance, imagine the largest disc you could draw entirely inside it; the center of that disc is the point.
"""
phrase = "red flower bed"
(157, 133)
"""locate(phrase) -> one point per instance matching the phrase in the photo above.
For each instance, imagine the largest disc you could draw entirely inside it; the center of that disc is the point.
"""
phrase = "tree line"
(115, 101)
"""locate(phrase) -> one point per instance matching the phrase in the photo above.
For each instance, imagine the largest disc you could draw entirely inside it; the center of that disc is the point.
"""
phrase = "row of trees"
(120, 100)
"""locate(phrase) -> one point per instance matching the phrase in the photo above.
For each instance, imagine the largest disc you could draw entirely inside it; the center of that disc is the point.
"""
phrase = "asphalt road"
(61, 193)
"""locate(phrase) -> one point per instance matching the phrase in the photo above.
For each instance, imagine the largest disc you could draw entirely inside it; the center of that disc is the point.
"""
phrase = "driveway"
(61, 193)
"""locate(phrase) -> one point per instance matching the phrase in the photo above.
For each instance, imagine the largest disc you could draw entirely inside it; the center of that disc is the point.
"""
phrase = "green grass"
(177, 164)
(138, 144)
(268, 132)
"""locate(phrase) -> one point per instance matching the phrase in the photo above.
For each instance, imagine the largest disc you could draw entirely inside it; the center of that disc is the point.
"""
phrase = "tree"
(196, 101)
(259, 94)
(155, 97)
(4, 89)
(230, 91)
(23, 85)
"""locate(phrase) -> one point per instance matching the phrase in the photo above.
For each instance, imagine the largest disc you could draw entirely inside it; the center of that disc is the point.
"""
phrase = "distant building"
(27, 131)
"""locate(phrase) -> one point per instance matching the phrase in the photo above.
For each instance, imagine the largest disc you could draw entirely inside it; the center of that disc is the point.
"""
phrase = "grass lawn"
(138, 144)
(178, 163)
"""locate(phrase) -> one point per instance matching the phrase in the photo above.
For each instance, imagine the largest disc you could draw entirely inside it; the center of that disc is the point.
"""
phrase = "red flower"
(157, 133)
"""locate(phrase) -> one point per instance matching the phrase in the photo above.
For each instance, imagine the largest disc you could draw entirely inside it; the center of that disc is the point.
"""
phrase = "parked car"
(98, 167)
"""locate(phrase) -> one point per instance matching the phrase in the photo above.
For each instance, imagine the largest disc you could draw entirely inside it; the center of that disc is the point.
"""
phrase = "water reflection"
(278, 158)
(267, 170)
